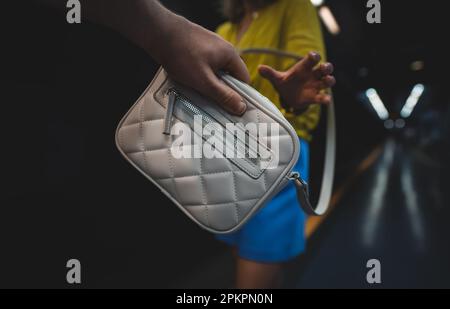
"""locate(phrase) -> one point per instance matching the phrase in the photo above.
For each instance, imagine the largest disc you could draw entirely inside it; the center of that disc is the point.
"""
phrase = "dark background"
(66, 192)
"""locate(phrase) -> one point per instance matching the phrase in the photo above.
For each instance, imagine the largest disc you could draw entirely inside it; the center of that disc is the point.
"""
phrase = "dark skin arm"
(191, 54)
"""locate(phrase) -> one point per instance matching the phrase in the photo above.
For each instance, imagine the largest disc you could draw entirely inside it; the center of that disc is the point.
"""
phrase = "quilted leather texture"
(215, 193)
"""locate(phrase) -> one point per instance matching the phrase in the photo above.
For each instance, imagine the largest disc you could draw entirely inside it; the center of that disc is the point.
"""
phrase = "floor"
(396, 213)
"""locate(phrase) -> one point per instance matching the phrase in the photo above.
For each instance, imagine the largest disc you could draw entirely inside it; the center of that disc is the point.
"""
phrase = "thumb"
(269, 73)
(223, 95)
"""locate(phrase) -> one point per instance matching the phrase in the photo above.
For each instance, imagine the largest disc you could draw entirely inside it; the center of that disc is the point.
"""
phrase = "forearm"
(165, 36)
(145, 22)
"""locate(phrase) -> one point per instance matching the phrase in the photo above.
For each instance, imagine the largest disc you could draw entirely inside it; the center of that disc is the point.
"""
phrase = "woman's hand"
(304, 83)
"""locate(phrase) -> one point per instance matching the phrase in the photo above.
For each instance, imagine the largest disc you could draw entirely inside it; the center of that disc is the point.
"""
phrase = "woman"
(276, 234)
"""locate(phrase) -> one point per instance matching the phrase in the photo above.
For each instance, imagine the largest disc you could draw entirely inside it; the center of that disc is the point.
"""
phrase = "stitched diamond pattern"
(214, 192)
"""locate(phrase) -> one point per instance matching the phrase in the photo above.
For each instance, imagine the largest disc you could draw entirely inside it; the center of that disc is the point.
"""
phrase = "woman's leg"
(275, 235)
(255, 275)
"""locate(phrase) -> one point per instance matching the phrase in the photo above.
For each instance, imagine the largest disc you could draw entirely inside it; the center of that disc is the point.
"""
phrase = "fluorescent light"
(317, 2)
(329, 20)
(377, 104)
(412, 101)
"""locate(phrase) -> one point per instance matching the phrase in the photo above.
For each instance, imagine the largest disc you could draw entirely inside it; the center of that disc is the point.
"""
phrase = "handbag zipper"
(192, 109)
(250, 156)
(169, 113)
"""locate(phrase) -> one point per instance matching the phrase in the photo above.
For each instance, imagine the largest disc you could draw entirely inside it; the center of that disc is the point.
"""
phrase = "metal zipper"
(169, 112)
(187, 106)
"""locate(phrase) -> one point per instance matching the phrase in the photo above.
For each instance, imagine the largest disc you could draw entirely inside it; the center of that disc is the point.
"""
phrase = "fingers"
(311, 60)
(329, 81)
(325, 83)
(308, 63)
(237, 68)
(224, 95)
(271, 74)
(324, 99)
(323, 70)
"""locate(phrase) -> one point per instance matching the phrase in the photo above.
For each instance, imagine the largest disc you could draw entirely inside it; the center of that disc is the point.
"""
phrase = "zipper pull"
(300, 183)
(302, 193)
(169, 112)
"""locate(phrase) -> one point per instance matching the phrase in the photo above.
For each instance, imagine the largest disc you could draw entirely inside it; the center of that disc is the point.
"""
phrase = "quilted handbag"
(221, 192)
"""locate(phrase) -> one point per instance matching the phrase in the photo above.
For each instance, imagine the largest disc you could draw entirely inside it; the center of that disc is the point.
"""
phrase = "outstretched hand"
(303, 84)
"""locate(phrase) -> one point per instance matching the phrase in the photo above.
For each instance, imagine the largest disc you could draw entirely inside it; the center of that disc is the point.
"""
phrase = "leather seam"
(204, 199)
(220, 204)
(141, 133)
(172, 173)
(138, 123)
(235, 199)
(264, 174)
(198, 175)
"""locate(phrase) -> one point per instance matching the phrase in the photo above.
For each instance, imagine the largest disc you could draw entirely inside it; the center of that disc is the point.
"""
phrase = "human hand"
(303, 84)
(193, 56)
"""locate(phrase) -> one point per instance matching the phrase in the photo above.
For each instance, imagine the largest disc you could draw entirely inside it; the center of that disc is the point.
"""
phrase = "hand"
(304, 83)
(193, 55)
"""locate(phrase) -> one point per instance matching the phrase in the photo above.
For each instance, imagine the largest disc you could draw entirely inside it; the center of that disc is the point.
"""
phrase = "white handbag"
(222, 192)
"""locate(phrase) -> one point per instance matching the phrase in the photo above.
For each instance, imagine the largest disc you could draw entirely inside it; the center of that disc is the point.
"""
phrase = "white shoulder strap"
(330, 152)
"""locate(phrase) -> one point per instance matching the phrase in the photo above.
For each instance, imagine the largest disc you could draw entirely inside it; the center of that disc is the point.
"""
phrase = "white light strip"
(412, 101)
(329, 20)
(317, 2)
(377, 104)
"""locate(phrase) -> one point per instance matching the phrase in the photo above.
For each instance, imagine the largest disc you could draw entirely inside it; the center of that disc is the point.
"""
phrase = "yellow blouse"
(288, 25)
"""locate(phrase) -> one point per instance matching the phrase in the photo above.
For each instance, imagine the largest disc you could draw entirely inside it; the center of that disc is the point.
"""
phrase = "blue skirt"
(276, 233)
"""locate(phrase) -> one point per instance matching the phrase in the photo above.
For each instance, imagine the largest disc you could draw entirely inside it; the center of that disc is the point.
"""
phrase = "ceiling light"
(377, 104)
(329, 20)
(412, 101)
(317, 2)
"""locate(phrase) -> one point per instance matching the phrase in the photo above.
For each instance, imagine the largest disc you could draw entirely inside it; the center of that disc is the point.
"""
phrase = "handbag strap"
(330, 152)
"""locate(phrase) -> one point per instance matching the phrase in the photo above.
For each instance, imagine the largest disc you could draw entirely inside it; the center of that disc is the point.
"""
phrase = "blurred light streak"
(378, 195)
(412, 101)
(377, 104)
(317, 2)
(412, 205)
(329, 20)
